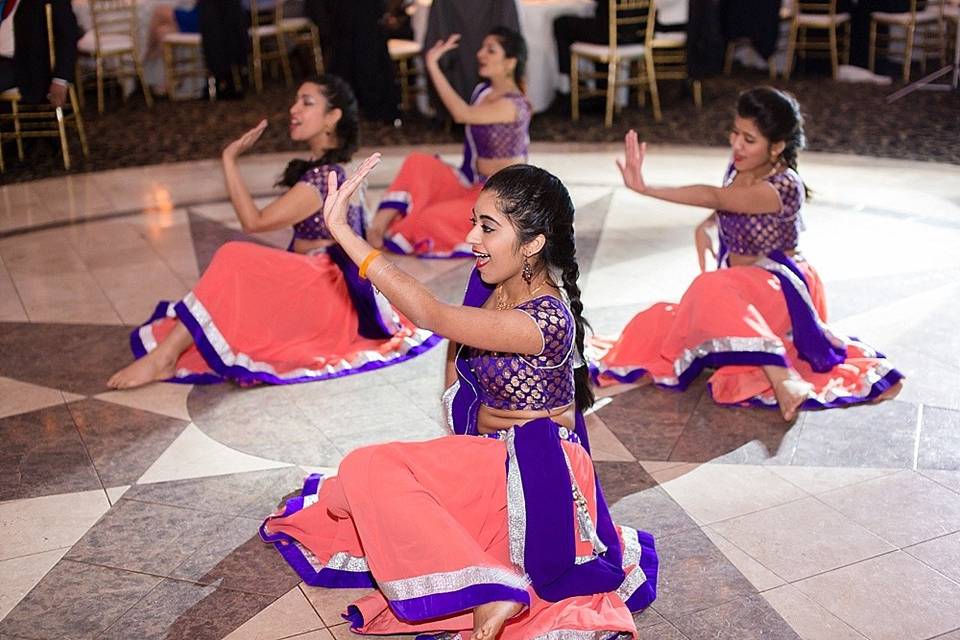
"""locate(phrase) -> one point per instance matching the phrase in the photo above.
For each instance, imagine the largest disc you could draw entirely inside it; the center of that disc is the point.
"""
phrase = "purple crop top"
(531, 383)
(313, 227)
(761, 233)
(502, 139)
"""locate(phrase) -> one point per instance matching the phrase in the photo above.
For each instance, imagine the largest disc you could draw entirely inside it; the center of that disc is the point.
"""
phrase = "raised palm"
(443, 46)
(337, 202)
(247, 140)
(631, 168)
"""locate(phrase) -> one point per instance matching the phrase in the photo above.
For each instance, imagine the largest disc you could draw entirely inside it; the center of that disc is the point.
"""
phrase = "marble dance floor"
(134, 514)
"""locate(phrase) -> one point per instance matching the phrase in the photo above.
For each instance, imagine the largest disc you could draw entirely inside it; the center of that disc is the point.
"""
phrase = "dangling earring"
(527, 273)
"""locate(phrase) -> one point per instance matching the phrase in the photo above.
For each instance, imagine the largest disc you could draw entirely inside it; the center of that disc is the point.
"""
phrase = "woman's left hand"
(632, 166)
(337, 202)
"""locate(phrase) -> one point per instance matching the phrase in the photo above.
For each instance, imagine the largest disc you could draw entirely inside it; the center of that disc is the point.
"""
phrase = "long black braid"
(536, 202)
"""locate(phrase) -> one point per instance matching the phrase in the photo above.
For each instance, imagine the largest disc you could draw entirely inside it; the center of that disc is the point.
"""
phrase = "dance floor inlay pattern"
(134, 514)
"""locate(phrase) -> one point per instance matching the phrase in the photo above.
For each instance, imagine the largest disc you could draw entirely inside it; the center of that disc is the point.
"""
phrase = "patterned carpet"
(842, 118)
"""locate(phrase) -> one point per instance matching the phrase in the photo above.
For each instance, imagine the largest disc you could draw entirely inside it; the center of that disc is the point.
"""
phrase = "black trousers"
(7, 76)
(223, 28)
(570, 29)
(859, 11)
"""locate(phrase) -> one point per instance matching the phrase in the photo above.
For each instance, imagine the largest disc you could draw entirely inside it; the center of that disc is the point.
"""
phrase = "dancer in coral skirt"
(426, 210)
(760, 319)
(500, 531)
(261, 315)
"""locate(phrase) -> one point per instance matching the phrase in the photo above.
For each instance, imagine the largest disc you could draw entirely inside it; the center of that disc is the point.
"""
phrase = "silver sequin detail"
(516, 506)
(447, 400)
(588, 530)
(631, 547)
(449, 581)
(632, 582)
(578, 634)
(341, 561)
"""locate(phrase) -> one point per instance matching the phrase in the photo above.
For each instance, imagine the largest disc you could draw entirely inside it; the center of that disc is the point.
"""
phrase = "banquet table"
(536, 23)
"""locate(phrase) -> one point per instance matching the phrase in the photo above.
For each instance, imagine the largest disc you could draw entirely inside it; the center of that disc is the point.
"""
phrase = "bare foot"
(791, 392)
(890, 393)
(150, 368)
(379, 225)
(489, 618)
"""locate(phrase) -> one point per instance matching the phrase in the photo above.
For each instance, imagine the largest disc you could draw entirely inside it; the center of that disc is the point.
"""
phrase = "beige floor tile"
(943, 554)
(290, 615)
(604, 445)
(196, 455)
(714, 492)
(160, 397)
(806, 617)
(892, 597)
(34, 525)
(758, 575)
(331, 603)
(11, 309)
(656, 466)
(22, 574)
(67, 297)
(20, 397)
(948, 479)
(73, 197)
(115, 493)
(816, 480)
(673, 472)
(320, 634)
(904, 508)
(801, 538)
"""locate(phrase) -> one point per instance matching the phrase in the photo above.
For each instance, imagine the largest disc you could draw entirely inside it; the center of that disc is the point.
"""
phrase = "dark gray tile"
(175, 610)
(652, 510)
(152, 538)
(742, 619)
(648, 618)
(939, 439)
(619, 479)
(42, 454)
(695, 575)
(739, 435)
(663, 631)
(254, 494)
(235, 558)
(76, 601)
(880, 435)
(123, 441)
(78, 358)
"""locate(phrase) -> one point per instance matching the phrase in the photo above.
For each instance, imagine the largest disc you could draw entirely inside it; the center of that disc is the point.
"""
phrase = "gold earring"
(527, 273)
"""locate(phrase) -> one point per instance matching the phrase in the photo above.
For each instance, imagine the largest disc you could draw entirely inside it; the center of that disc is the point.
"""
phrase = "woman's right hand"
(704, 242)
(441, 47)
(337, 202)
(244, 142)
(632, 166)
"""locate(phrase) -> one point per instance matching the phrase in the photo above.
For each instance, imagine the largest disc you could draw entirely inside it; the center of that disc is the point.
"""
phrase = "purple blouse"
(761, 233)
(502, 139)
(313, 227)
(533, 383)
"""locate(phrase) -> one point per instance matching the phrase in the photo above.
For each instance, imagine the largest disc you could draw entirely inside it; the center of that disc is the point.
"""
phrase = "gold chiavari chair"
(404, 54)
(43, 120)
(819, 17)
(626, 16)
(301, 31)
(113, 46)
(269, 43)
(923, 29)
(182, 58)
(669, 53)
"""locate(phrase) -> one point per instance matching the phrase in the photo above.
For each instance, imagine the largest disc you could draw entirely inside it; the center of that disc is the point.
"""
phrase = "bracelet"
(366, 262)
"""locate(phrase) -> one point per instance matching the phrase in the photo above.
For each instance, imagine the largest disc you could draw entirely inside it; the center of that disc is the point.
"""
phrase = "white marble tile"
(34, 525)
(290, 615)
(943, 554)
(904, 508)
(160, 397)
(22, 574)
(115, 493)
(714, 492)
(195, 455)
(801, 538)
(759, 576)
(892, 597)
(806, 617)
(11, 309)
(21, 397)
(816, 480)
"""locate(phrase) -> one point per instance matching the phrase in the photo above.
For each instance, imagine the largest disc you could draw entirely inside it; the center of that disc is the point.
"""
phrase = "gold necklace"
(503, 303)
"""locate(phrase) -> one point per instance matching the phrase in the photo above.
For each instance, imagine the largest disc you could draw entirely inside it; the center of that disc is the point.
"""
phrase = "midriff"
(490, 419)
(744, 260)
(489, 166)
(304, 245)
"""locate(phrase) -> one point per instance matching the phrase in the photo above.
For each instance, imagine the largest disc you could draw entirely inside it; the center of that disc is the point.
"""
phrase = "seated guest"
(426, 210)
(167, 19)
(223, 27)
(860, 11)
(570, 29)
(25, 55)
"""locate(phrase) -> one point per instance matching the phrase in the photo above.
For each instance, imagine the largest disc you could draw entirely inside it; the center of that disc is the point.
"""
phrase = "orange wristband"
(366, 262)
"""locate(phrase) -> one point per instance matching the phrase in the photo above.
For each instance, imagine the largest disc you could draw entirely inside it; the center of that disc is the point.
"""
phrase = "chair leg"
(64, 145)
(654, 92)
(612, 67)
(317, 51)
(847, 42)
(79, 82)
(728, 58)
(17, 131)
(574, 87)
(78, 120)
(908, 53)
(872, 50)
(257, 65)
(791, 51)
(698, 94)
(100, 84)
(284, 58)
(169, 71)
(772, 67)
(834, 53)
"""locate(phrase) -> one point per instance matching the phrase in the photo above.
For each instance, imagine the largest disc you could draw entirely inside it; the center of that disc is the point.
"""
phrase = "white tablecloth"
(536, 23)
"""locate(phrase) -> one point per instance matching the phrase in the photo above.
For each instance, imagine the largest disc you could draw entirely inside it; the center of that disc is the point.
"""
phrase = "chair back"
(630, 18)
(114, 17)
(51, 46)
(816, 7)
(266, 16)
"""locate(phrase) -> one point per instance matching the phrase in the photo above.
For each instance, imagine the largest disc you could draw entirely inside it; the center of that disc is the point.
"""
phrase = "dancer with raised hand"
(504, 536)
(262, 315)
(426, 210)
(760, 319)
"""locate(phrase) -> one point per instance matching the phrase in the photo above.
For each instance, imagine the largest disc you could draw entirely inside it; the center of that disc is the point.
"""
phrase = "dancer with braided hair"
(499, 530)
(760, 319)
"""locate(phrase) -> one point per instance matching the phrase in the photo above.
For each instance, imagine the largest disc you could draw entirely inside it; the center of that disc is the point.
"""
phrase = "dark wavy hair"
(535, 201)
(778, 117)
(515, 47)
(339, 95)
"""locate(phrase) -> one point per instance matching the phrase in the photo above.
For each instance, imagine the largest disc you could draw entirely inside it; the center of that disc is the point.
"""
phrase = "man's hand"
(57, 93)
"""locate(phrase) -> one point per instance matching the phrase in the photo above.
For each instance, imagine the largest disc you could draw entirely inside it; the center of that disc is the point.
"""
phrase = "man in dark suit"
(28, 68)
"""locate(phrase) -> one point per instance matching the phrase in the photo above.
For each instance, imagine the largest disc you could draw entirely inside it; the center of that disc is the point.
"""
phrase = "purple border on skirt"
(438, 605)
(650, 565)
(715, 360)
